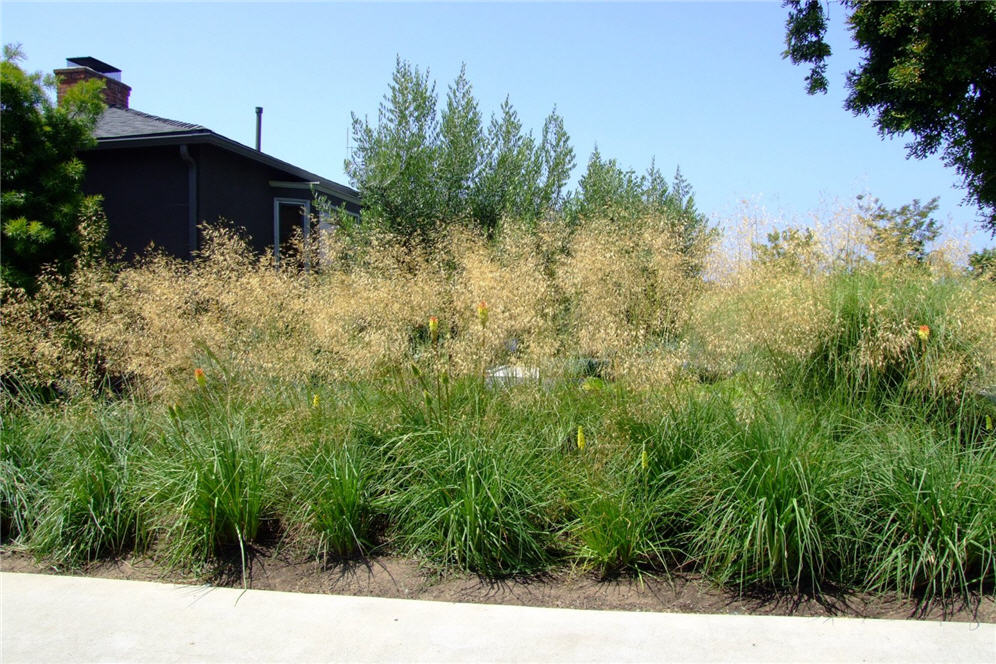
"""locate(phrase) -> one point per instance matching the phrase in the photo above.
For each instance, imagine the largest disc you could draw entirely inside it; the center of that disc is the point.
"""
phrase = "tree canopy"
(607, 191)
(40, 175)
(420, 168)
(928, 70)
(900, 235)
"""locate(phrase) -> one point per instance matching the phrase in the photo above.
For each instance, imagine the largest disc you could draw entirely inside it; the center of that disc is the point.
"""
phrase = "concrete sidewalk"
(60, 619)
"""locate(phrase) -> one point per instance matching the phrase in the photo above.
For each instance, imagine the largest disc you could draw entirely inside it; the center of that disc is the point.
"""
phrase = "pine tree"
(40, 173)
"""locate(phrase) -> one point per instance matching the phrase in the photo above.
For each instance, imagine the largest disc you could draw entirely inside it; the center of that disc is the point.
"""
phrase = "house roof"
(126, 127)
(121, 122)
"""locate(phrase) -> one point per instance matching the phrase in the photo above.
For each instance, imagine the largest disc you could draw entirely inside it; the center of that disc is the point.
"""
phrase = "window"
(289, 214)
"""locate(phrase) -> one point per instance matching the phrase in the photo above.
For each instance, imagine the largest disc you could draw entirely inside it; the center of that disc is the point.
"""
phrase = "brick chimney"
(83, 69)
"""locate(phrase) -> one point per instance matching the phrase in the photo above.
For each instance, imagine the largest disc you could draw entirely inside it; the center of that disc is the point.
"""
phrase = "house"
(161, 178)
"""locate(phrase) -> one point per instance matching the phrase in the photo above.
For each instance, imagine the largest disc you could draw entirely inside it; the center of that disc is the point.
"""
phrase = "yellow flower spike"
(200, 377)
(433, 330)
(989, 423)
(580, 438)
(644, 461)
(923, 332)
(314, 401)
(482, 313)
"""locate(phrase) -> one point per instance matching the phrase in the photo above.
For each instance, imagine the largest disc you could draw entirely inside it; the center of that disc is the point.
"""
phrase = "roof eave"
(156, 138)
(209, 137)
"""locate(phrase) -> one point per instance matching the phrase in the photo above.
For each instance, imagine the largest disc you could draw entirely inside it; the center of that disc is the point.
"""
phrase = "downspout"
(191, 199)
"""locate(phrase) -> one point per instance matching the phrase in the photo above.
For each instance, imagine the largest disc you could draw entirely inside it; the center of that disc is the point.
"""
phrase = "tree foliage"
(982, 264)
(900, 235)
(928, 71)
(504, 188)
(556, 162)
(40, 174)
(461, 147)
(419, 169)
(791, 250)
(394, 163)
(607, 191)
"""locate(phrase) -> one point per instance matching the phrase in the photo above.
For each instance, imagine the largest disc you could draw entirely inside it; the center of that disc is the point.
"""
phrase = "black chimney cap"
(94, 64)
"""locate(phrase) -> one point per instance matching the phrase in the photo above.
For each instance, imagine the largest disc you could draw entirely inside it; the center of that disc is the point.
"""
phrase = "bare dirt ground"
(273, 569)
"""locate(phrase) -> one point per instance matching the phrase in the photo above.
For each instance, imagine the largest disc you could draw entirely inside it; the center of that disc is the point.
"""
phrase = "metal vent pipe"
(259, 128)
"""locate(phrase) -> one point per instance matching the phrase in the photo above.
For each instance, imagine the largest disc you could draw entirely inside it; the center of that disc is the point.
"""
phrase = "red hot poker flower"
(482, 313)
(434, 329)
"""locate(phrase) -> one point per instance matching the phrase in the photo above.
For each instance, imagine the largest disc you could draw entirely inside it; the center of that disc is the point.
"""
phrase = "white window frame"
(305, 219)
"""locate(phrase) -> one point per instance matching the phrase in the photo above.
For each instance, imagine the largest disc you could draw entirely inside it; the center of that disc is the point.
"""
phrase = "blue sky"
(702, 85)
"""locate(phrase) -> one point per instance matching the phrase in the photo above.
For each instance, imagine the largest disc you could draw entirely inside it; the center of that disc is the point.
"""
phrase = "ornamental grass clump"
(28, 438)
(68, 480)
(625, 523)
(91, 508)
(907, 344)
(625, 286)
(625, 487)
(756, 319)
(478, 504)
(773, 502)
(333, 500)
(617, 531)
(209, 482)
(933, 516)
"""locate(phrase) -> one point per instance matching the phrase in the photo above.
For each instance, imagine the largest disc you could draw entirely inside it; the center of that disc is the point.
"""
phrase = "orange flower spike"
(433, 330)
(200, 377)
(923, 332)
(482, 313)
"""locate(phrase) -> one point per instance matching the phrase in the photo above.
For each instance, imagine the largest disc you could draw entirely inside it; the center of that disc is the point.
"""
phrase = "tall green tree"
(40, 173)
(928, 70)
(418, 170)
(606, 190)
(461, 149)
(555, 158)
(394, 164)
(509, 174)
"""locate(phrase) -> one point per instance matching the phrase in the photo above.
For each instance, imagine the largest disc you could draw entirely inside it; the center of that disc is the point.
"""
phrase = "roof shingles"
(122, 122)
